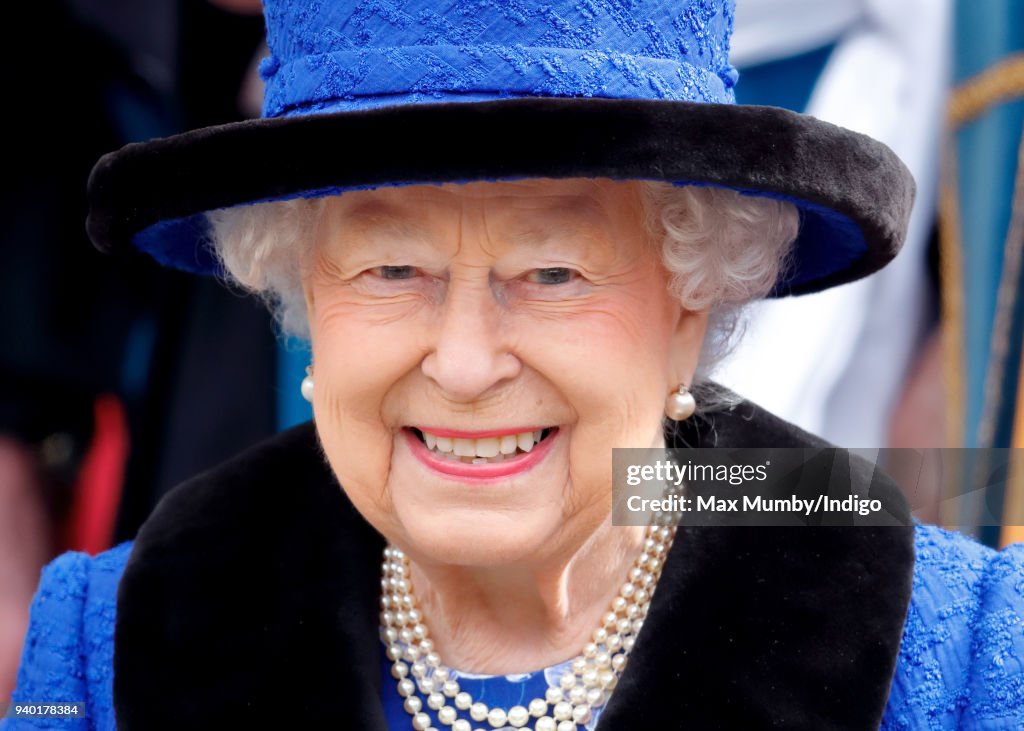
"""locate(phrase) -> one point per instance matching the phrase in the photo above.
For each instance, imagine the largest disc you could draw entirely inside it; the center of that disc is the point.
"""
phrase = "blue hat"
(372, 93)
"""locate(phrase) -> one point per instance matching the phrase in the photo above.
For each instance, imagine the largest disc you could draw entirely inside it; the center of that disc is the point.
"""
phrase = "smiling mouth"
(489, 450)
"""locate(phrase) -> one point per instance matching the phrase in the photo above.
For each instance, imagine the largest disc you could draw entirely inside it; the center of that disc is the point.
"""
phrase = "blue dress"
(960, 663)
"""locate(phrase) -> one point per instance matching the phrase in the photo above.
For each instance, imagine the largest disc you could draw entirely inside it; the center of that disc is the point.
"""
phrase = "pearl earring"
(307, 385)
(680, 404)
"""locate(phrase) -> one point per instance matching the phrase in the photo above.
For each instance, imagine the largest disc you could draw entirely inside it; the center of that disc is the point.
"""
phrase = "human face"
(483, 310)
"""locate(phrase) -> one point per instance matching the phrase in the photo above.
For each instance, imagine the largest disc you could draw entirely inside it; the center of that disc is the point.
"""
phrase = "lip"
(479, 472)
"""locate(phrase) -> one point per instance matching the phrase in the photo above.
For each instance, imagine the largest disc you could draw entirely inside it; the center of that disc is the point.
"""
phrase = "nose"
(471, 353)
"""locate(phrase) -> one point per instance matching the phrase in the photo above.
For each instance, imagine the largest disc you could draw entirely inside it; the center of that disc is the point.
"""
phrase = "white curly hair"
(722, 250)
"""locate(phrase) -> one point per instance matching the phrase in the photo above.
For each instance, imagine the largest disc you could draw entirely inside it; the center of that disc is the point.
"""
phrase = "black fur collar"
(250, 601)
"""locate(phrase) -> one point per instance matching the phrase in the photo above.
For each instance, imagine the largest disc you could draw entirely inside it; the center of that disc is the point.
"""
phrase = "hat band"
(373, 77)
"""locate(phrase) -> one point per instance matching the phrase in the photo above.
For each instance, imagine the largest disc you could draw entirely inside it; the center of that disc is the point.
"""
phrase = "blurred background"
(119, 379)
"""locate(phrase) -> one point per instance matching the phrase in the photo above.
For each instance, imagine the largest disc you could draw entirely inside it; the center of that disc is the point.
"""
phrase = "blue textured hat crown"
(345, 56)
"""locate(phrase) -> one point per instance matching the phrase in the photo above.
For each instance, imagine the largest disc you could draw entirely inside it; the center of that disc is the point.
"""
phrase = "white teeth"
(485, 449)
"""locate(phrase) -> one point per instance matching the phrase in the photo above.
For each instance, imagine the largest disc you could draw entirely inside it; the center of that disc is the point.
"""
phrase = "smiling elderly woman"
(498, 292)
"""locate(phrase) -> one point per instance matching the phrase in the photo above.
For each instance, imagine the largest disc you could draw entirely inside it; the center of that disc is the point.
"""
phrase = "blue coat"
(219, 614)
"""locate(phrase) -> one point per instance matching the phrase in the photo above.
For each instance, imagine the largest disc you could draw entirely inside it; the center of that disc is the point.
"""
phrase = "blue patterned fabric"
(961, 662)
(69, 648)
(372, 53)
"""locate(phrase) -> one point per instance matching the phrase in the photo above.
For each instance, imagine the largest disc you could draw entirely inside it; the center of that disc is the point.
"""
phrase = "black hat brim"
(854, 193)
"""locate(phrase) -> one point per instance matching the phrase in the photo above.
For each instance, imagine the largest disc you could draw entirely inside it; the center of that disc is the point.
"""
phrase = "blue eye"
(552, 275)
(396, 272)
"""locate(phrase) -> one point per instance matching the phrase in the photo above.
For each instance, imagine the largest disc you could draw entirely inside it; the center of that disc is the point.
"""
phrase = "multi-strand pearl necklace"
(586, 686)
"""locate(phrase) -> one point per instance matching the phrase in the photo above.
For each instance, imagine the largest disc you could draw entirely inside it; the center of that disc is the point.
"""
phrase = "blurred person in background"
(100, 405)
(881, 68)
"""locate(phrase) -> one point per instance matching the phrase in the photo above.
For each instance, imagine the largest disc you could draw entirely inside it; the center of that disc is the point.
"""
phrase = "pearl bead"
(413, 704)
(450, 688)
(577, 694)
(446, 715)
(478, 711)
(426, 685)
(399, 670)
(419, 669)
(579, 665)
(628, 642)
(553, 695)
(613, 643)
(609, 619)
(432, 659)
(600, 635)
(595, 698)
(545, 723)
(566, 726)
(589, 650)
(581, 714)
(497, 717)
(603, 660)
(618, 663)
(680, 406)
(627, 590)
(435, 701)
(589, 678)
(538, 707)
(567, 681)
(518, 716)
(400, 617)
(461, 725)
(623, 626)
(463, 701)
(562, 711)
(406, 687)
(421, 722)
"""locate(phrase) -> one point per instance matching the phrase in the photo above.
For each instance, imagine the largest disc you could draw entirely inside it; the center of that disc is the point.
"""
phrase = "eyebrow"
(385, 218)
(527, 227)
(585, 218)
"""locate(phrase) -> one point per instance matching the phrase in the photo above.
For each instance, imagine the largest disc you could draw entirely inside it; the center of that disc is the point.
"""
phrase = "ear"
(307, 295)
(687, 341)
